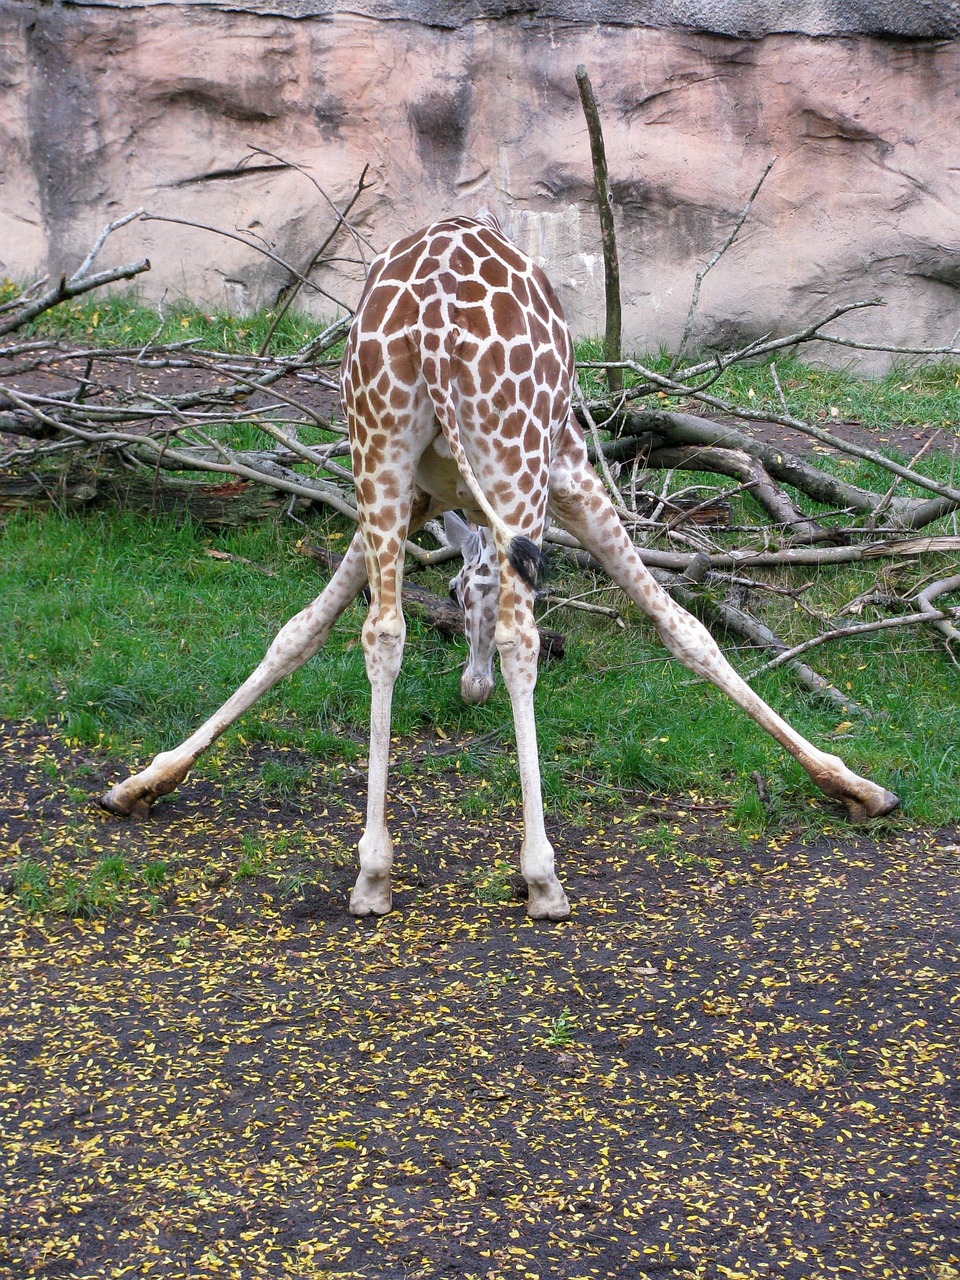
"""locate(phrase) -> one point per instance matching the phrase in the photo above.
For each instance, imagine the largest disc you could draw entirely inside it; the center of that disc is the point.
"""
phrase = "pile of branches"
(81, 425)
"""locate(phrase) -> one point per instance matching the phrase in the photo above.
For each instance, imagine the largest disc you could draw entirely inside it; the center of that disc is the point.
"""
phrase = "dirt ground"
(735, 1060)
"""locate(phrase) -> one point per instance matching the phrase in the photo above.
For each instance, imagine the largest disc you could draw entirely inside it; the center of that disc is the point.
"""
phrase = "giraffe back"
(458, 332)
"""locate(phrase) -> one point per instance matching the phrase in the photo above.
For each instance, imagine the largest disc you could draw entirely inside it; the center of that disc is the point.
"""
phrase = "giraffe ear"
(458, 531)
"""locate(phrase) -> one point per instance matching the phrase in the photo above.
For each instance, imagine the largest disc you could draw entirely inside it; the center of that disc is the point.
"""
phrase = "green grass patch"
(81, 896)
(922, 397)
(126, 635)
(123, 319)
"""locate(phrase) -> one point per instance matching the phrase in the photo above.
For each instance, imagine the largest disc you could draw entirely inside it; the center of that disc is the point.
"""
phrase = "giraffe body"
(456, 383)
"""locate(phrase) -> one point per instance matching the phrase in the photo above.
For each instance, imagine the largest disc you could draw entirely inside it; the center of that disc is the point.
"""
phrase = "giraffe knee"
(383, 641)
(519, 648)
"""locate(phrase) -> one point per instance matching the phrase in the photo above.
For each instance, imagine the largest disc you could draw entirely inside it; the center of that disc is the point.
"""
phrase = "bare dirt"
(737, 1059)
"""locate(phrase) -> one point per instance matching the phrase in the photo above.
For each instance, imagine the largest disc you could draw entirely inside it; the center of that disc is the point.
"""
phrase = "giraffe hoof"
(547, 901)
(115, 802)
(890, 802)
(371, 897)
(877, 807)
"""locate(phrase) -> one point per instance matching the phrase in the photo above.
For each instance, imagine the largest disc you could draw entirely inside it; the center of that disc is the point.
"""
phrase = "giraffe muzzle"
(475, 689)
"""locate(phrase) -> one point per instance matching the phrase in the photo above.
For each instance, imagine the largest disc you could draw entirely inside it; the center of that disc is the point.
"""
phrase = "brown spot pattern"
(456, 311)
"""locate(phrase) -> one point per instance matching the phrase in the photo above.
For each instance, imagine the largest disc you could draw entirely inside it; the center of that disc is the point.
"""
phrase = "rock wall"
(108, 106)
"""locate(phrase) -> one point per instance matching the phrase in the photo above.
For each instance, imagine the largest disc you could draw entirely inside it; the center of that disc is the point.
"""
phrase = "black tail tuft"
(528, 560)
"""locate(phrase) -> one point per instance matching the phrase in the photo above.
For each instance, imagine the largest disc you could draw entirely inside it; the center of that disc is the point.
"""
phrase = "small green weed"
(105, 888)
(112, 870)
(561, 1033)
(154, 873)
(253, 859)
(31, 884)
(494, 885)
(283, 779)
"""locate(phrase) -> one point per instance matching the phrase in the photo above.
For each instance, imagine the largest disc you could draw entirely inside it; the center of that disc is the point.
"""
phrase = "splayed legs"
(296, 642)
(579, 503)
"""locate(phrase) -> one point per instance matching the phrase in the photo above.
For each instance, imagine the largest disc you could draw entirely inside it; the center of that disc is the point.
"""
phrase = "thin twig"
(250, 244)
(98, 244)
(341, 216)
(858, 629)
(698, 281)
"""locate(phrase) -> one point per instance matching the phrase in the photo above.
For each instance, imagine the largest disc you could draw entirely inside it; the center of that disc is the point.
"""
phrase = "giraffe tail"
(528, 560)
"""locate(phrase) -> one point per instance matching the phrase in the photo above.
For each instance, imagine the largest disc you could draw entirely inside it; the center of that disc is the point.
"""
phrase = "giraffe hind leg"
(384, 530)
(384, 633)
(580, 504)
(518, 644)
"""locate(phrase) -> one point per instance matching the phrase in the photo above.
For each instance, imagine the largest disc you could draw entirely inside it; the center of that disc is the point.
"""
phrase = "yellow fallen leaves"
(252, 1084)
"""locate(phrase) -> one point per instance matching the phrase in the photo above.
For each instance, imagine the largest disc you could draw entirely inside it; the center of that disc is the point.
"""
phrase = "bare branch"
(804, 428)
(98, 244)
(925, 598)
(857, 629)
(250, 244)
(341, 222)
(698, 281)
(611, 263)
(71, 288)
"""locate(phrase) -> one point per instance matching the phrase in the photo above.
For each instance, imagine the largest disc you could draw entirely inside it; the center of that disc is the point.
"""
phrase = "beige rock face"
(106, 108)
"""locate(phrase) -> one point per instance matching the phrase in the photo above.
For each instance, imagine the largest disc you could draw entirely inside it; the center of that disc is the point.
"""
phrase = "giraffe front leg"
(518, 644)
(296, 642)
(579, 502)
(383, 640)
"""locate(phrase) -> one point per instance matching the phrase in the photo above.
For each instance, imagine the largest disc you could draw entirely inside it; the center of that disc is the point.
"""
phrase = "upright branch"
(611, 263)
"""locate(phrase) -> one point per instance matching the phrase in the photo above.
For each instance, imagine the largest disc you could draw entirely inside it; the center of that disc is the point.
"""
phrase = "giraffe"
(456, 384)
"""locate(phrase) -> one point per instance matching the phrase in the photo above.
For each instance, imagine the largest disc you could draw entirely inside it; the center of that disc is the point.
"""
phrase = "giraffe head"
(476, 588)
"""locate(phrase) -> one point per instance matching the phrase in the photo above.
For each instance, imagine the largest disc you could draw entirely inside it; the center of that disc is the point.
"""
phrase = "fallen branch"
(858, 629)
(679, 561)
(926, 597)
(755, 480)
(658, 428)
(71, 288)
(795, 424)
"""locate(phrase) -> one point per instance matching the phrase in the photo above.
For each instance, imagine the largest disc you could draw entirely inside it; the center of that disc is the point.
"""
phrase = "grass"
(85, 897)
(493, 885)
(125, 634)
(123, 320)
